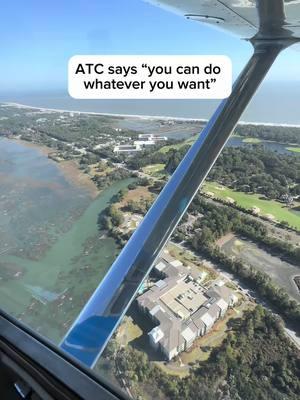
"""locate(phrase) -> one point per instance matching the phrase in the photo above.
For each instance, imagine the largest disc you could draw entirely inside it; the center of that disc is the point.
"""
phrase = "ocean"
(276, 103)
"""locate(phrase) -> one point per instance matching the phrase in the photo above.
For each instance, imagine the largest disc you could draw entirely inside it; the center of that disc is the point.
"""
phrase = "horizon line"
(141, 116)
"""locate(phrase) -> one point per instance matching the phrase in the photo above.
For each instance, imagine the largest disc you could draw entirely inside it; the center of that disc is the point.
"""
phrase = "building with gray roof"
(182, 309)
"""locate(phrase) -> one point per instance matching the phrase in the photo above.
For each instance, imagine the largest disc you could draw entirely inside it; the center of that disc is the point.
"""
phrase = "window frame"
(48, 367)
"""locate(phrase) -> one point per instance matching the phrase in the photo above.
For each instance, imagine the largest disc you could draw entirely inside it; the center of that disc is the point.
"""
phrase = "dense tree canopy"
(255, 361)
(287, 134)
(251, 169)
(215, 221)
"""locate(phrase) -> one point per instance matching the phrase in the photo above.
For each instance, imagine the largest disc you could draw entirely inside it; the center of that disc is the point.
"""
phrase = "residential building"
(180, 307)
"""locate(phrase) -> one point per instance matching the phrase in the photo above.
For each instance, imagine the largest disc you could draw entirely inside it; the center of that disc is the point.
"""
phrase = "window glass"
(219, 315)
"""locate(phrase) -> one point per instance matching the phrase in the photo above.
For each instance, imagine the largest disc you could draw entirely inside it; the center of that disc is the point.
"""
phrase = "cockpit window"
(218, 315)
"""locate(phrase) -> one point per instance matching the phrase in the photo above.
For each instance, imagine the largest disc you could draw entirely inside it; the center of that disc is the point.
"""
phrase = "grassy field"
(103, 170)
(251, 140)
(128, 331)
(154, 169)
(293, 149)
(267, 207)
(177, 146)
(141, 192)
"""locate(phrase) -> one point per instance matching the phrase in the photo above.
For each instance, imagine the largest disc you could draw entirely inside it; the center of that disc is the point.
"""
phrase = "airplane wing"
(271, 26)
(246, 18)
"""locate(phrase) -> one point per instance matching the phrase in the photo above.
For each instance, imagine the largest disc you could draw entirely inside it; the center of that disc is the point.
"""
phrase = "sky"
(38, 38)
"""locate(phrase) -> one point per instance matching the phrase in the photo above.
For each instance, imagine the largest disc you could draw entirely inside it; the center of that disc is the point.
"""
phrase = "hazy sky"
(38, 37)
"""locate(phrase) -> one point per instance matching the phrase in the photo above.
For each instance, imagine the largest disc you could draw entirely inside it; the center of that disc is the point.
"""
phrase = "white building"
(144, 143)
(127, 148)
(149, 136)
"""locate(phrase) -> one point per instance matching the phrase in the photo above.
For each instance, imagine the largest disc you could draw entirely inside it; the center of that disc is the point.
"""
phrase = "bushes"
(111, 218)
(255, 361)
(103, 181)
(251, 169)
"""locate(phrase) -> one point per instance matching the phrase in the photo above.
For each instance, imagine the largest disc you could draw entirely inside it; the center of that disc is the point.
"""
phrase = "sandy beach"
(138, 116)
(145, 117)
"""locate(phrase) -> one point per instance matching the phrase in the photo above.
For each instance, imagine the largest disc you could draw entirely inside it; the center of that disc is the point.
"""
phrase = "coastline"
(142, 117)
(77, 177)
(69, 168)
(40, 147)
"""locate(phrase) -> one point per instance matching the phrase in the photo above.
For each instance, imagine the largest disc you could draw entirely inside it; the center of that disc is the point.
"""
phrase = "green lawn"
(128, 331)
(278, 210)
(177, 146)
(154, 169)
(192, 139)
(251, 140)
(293, 149)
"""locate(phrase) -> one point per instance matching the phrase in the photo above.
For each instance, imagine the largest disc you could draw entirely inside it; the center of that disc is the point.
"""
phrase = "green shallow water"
(59, 258)
(76, 262)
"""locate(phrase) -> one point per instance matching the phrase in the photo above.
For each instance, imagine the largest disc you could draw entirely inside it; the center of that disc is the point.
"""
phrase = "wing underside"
(245, 18)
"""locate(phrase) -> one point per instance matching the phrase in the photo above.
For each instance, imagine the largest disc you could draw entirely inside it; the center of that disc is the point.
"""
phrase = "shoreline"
(73, 174)
(68, 168)
(142, 117)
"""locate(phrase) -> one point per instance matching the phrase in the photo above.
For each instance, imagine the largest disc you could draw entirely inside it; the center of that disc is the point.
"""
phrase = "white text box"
(149, 77)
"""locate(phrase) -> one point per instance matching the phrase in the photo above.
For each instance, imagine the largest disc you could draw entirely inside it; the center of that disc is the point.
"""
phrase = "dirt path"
(225, 239)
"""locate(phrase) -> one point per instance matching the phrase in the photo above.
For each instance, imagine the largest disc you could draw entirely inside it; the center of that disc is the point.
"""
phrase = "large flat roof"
(184, 298)
(180, 305)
